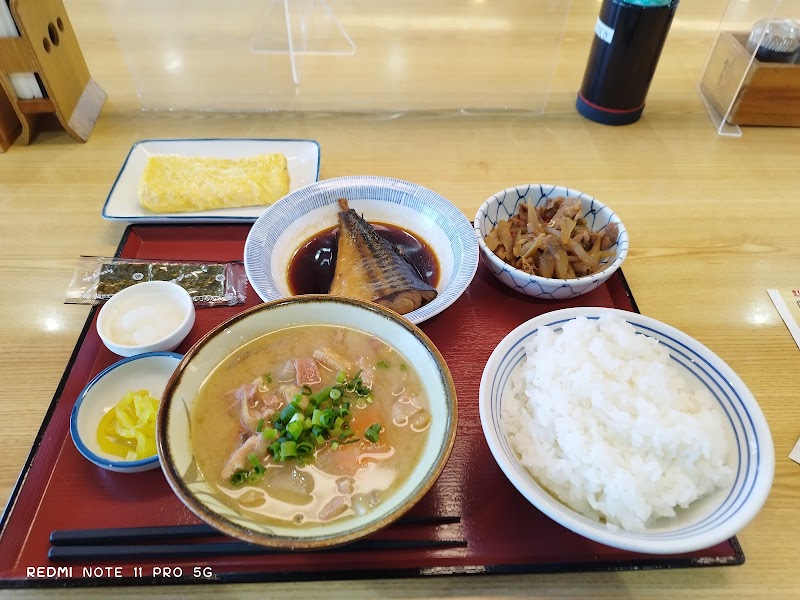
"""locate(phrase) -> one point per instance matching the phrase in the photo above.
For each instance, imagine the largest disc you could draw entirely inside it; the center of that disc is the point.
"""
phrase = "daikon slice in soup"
(309, 424)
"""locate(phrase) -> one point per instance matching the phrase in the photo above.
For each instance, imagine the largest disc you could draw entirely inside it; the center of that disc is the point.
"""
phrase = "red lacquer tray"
(501, 531)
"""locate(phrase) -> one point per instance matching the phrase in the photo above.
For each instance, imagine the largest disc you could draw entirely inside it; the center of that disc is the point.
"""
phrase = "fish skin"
(369, 268)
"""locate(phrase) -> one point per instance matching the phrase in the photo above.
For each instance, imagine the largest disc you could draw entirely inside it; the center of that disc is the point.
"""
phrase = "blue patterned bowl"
(300, 215)
(704, 523)
(503, 205)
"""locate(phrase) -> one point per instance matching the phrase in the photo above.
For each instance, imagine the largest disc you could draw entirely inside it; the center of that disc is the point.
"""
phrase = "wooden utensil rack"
(47, 46)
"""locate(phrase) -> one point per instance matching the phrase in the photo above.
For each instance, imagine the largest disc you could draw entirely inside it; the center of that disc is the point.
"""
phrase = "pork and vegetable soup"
(309, 424)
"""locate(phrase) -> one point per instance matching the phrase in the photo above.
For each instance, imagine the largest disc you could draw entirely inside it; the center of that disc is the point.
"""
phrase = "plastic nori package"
(97, 278)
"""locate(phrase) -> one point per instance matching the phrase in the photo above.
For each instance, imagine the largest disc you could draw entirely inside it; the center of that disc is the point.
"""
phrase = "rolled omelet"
(172, 183)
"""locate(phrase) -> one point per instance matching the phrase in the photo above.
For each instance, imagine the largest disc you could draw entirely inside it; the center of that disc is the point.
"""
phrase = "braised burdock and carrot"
(552, 240)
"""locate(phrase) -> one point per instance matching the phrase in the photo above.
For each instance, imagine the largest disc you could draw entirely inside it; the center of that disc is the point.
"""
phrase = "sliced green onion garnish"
(260, 426)
(287, 413)
(327, 419)
(312, 420)
(268, 378)
(295, 428)
(382, 364)
(253, 459)
(275, 449)
(372, 432)
(288, 450)
(304, 449)
(321, 395)
(238, 477)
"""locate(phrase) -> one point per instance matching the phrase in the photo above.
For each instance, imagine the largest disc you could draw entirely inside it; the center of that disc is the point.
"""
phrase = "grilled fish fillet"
(369, 268)
(172, 183)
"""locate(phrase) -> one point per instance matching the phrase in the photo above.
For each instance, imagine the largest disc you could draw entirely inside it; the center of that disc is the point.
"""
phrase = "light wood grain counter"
(713, 224)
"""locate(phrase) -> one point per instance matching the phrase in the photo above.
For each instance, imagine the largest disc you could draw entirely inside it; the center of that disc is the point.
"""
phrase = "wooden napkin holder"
(765, 94)
(48, 47)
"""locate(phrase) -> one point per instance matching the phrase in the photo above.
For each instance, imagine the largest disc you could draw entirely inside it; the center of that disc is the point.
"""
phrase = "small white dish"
(122, 203)
(146, 371)
(705, 522)
(291, 221)
(152, 316)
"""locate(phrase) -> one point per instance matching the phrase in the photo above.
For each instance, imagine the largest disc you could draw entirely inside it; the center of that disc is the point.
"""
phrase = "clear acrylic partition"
(739, 18)
(340, 55)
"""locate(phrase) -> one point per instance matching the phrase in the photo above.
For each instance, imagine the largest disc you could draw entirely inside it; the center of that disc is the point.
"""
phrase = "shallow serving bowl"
(149, 371)
(173, 424)
(704, 523)
(503, 205)
(297, 217)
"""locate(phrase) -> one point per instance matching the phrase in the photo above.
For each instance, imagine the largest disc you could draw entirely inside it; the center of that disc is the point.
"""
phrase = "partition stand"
(299, 27)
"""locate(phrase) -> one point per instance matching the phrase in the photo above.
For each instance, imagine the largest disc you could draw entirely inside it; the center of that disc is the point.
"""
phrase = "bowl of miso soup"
(307, 422)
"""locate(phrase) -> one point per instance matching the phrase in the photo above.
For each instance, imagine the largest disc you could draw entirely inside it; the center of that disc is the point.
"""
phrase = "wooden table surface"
(713, 224)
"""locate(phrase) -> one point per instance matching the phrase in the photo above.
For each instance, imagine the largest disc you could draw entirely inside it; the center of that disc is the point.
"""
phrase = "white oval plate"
(295, 218)
(122, 204)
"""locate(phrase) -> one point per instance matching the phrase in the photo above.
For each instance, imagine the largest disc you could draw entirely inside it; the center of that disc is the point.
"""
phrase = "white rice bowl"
(605, 422)
(637, 437)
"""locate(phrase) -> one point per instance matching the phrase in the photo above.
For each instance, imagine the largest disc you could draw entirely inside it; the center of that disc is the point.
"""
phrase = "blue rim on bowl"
(502, 205)
(296, 217)
(89, 449)
(715, 518)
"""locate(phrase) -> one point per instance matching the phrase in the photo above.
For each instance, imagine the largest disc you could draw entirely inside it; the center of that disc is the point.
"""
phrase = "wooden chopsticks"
(125, 535)
(176, 541)
(205, 550)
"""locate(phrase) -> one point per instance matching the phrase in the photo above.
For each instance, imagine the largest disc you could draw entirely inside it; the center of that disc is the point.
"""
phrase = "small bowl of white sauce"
(152, 316)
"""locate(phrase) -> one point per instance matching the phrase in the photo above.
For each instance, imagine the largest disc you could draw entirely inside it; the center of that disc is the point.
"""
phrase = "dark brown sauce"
(311, 268)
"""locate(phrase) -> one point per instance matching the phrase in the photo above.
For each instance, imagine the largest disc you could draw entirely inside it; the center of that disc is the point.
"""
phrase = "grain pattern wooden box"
(48, 47)
(763, 94)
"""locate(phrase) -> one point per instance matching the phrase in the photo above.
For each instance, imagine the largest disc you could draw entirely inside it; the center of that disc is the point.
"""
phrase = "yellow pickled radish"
(129, 429)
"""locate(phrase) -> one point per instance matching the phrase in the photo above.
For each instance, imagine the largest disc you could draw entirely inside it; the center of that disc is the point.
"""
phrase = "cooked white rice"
(601, 418)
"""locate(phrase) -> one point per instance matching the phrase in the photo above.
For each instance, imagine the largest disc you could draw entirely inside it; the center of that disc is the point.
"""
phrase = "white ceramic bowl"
(704, 523)
(503, 205)
(152, 316)
(149, 371)
(173, 424)
(295, 218)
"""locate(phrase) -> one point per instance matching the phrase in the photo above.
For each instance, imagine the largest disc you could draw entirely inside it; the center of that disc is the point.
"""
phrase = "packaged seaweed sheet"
(97, 278)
